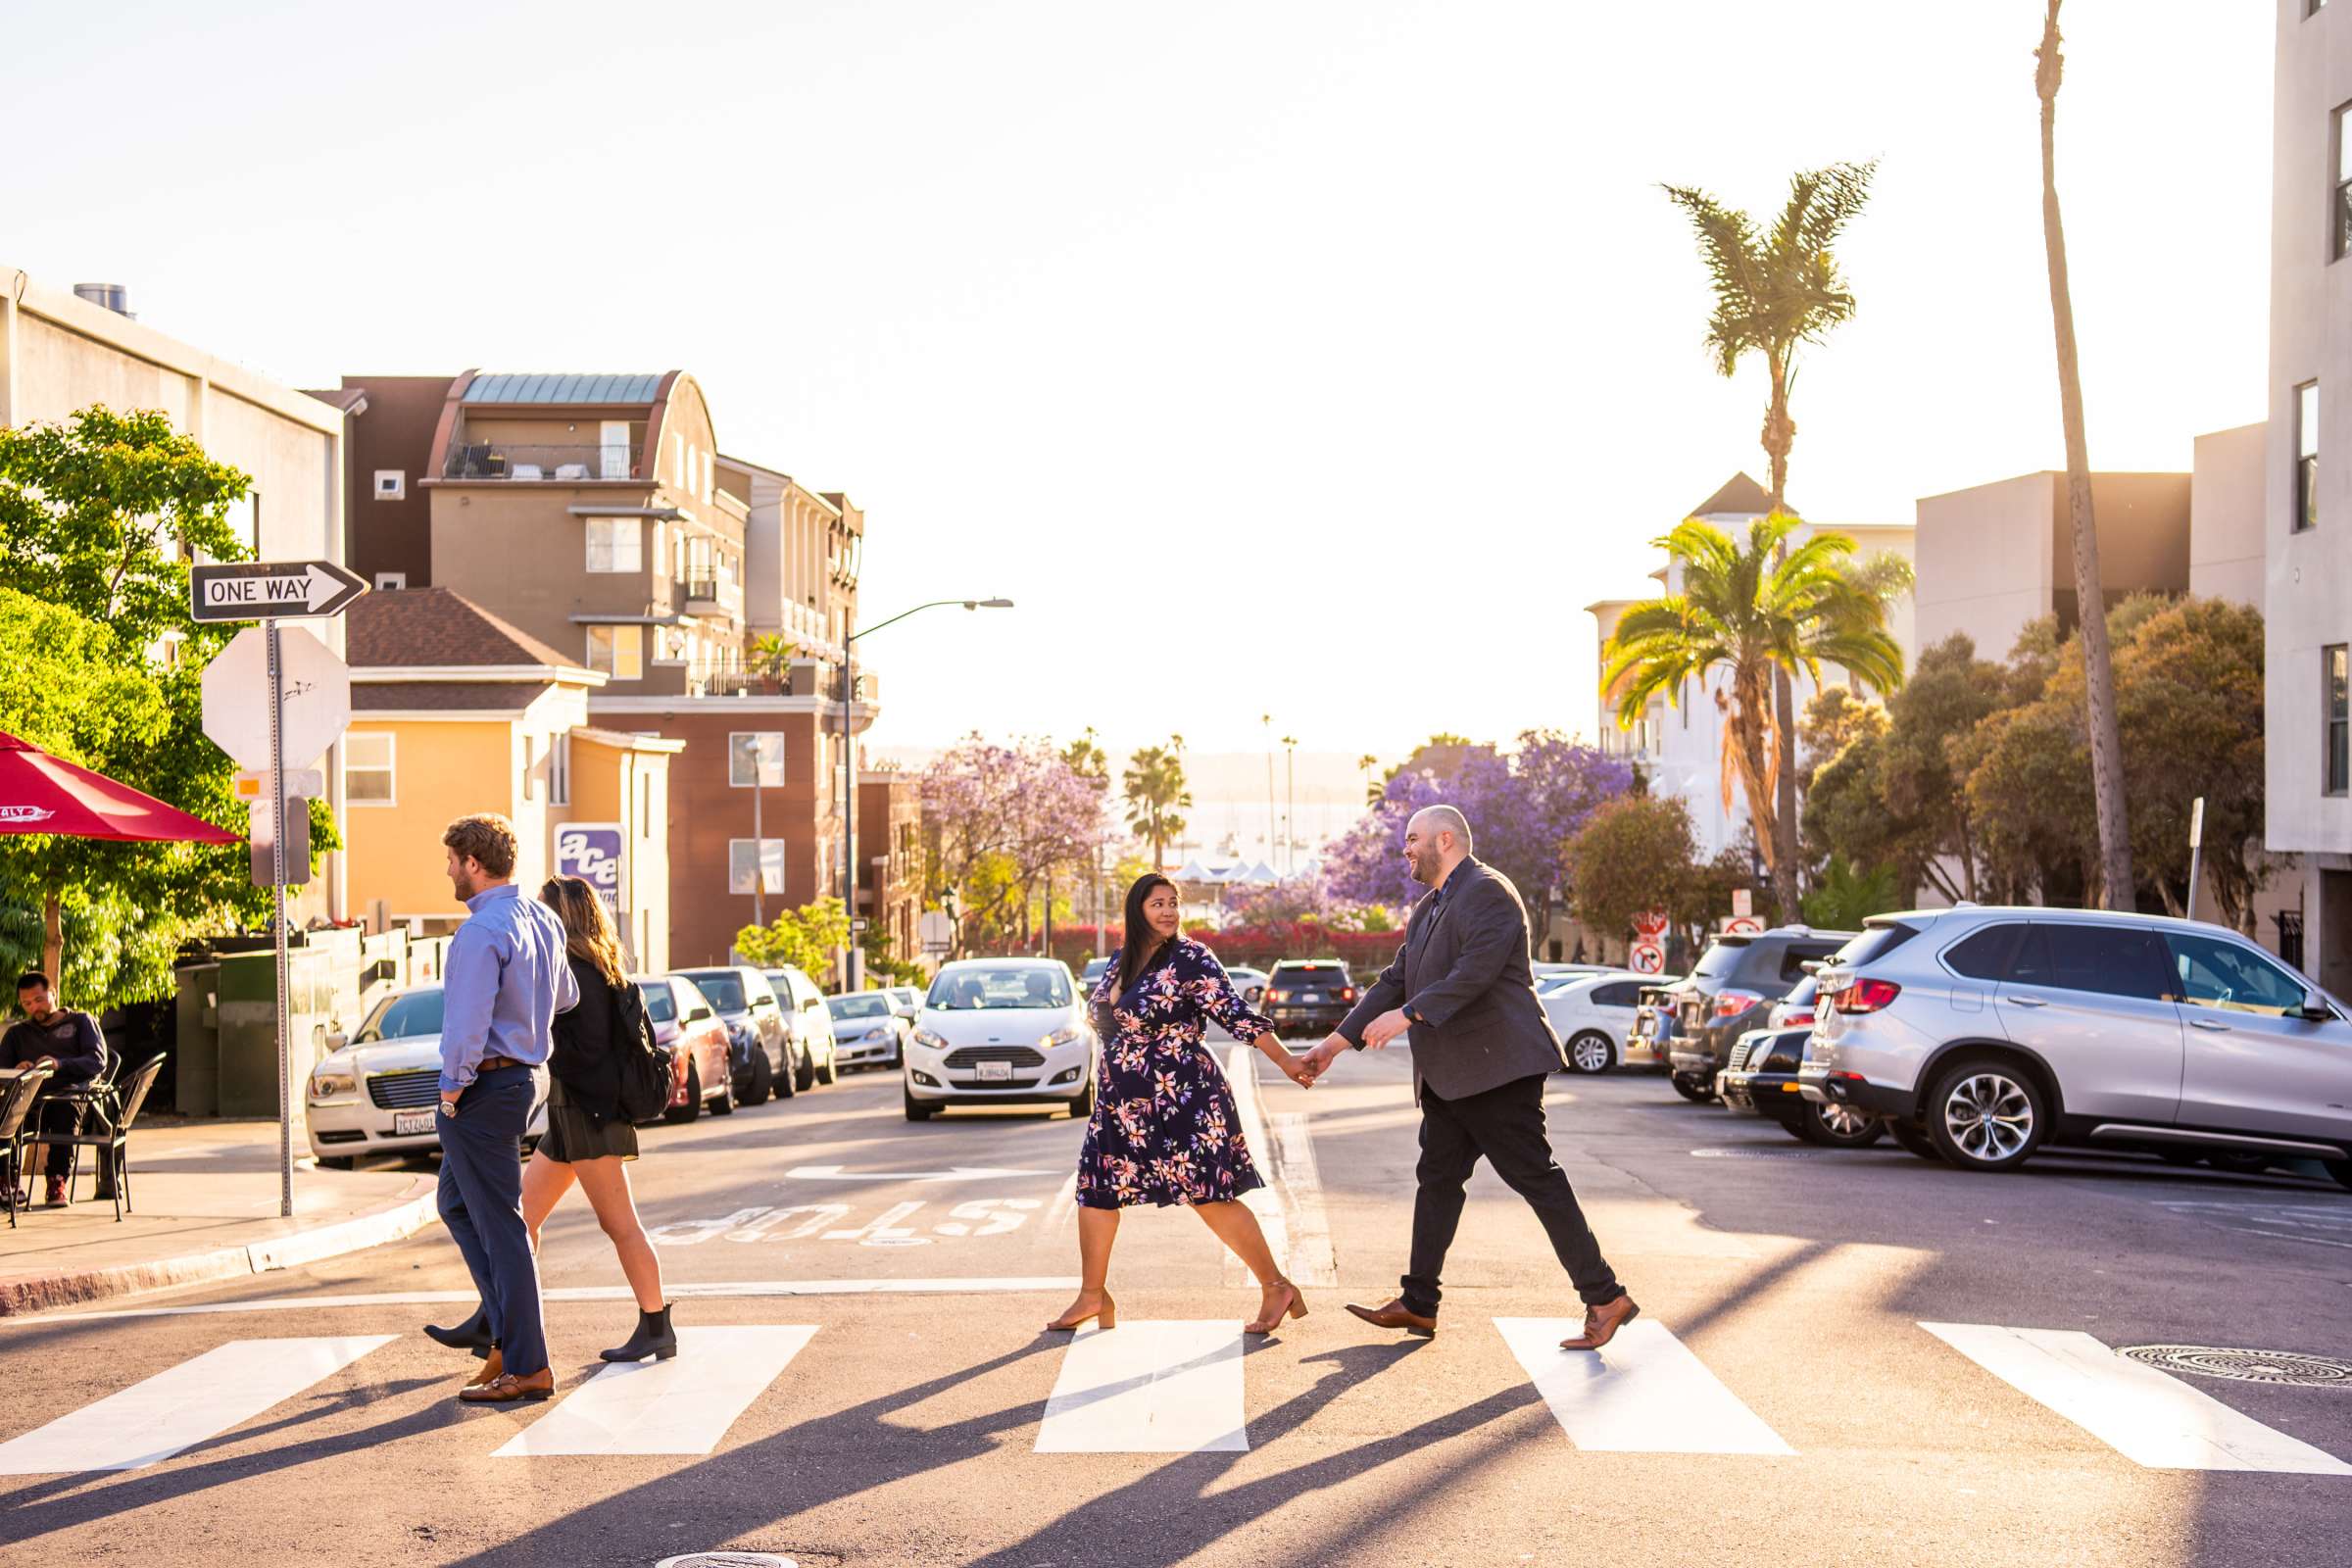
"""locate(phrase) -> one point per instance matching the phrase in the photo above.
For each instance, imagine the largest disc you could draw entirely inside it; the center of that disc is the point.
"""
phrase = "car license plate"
(410, 1123)
(1312, 996)
(995, 1072)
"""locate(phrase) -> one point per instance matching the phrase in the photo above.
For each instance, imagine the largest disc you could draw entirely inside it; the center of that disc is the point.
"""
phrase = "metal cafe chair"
(17, 1095)
(107, 1119)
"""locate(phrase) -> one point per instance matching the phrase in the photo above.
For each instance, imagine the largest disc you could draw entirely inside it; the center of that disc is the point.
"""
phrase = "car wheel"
(1988, 1117)
(803, 1073)
(1693, 1089)
(782, 1077)
(1084, 1105)
(1835, 1126)
(763, 1080)
(1591, 1052)
(334, 1162)
(917, 1110)
(724, 1104)
(679, 1115)
(832, 1073)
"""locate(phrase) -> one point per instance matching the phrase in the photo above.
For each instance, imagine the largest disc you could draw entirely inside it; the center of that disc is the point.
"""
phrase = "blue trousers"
(482, 1202)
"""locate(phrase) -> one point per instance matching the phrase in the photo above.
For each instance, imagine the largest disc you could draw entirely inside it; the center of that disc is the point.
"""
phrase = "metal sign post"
(271, 592)
(2196, 854)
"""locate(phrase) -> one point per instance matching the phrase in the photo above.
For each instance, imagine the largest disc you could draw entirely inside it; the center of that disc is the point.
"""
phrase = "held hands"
(1300, 1071)
(1385, 1028)
(1323, 1055)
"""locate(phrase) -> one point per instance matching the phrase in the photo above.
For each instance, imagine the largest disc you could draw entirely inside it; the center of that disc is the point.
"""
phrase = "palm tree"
(1777, 289)
(1749, 609)
(1156, 793)
(2115, 886)
(1368, 762)
(771, 656)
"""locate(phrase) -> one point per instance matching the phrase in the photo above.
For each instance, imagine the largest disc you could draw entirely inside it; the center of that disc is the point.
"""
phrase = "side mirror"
(2315, 1005)
(336, 1042)
(698, 1015)
(1812, 965)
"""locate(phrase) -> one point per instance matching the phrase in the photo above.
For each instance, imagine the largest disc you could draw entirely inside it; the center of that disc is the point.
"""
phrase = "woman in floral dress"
(1166, 1129)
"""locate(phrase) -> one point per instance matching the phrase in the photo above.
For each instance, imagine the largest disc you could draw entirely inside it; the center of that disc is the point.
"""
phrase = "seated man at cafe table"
(63, 1039)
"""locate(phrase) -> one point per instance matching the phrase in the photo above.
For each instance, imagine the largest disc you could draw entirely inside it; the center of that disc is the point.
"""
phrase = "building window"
(558, 769)
(391, 484)
(530, 768)
(613, 457)
(2340, 212)
(367, 768)
(2307, 457)
(616, 544)
(756, 757)
(389, 582)
(618, 651)
(739, 863)
(2336, 681)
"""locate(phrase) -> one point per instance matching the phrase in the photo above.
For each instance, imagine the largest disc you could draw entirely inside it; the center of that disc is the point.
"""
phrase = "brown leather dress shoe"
(512, 1388)
(492, 1369)
(1601, 1324)
(1397, 1315)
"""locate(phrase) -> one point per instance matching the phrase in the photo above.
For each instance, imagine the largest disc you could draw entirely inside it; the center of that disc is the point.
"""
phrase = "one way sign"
(272, 590)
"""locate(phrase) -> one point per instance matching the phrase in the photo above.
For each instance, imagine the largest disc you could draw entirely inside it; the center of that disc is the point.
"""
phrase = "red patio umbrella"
(45, 794)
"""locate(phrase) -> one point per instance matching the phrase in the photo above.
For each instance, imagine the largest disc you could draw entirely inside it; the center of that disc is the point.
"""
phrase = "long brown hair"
(587, 929)
(1141, 941)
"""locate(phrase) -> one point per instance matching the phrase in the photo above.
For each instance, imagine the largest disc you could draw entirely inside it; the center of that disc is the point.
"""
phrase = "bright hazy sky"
(1316, 357)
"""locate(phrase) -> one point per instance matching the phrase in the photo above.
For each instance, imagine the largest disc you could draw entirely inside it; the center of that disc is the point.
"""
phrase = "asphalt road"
(882, 1394)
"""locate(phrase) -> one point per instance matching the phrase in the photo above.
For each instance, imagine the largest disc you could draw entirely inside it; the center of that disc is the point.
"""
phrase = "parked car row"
(1977, 1036)
(735, 1035)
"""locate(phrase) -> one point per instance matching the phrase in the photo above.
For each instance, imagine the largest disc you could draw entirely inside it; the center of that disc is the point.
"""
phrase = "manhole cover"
(2248, 1366)
(726, 1560)
(1753, 1153)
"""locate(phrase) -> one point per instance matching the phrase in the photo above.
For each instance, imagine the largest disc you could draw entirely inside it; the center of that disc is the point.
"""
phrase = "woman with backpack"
(590, 1137)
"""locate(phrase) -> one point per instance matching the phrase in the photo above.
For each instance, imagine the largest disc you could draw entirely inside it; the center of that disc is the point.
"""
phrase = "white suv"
(1979, 1034)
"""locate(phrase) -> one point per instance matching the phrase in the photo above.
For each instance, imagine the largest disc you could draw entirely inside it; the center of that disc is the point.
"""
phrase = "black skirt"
(573, 1134)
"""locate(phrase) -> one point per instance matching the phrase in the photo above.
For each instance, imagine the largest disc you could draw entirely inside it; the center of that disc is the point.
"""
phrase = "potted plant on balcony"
(771, 661)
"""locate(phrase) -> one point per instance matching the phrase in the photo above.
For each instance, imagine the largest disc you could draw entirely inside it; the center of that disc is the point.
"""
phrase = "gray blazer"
(1463, 971)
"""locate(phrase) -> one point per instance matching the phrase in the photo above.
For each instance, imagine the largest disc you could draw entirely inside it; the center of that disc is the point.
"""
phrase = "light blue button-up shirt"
(505, 981)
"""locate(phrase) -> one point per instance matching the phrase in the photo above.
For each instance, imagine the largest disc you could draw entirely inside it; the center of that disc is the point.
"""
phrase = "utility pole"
(1290, 807)
(1267, 719)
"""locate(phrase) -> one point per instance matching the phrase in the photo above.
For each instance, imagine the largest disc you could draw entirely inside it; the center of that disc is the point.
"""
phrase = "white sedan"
(868, 1031)
(1000, 1031)
(376, 1093)
(1592, 1013)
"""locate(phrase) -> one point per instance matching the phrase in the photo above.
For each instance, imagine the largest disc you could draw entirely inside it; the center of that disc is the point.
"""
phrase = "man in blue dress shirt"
(502, 982)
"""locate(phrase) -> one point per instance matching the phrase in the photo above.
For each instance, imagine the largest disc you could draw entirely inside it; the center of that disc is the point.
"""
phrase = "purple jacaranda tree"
(1522, 805)
(1003, 818)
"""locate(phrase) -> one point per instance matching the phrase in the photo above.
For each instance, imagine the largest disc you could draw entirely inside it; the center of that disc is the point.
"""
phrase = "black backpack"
(644, 1066)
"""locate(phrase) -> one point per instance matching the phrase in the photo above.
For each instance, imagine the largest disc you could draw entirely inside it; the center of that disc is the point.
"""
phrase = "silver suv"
(1979, 1034)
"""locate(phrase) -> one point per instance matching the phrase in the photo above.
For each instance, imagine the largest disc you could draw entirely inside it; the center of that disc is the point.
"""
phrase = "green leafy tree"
(1156, 796)
(807, 937)
(1778, 287)
(97, 515)
(1749, 608)
(771, 656)
(1845, 898)
(1636, 853)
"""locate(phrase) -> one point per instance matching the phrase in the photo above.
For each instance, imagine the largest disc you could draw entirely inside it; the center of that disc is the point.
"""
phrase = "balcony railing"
(507, 459)
(713, 596)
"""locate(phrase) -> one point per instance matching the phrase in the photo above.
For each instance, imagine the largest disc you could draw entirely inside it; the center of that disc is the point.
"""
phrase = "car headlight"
(878, 1032)
(326, 1085)
(1064, 1037)
(926, 1037)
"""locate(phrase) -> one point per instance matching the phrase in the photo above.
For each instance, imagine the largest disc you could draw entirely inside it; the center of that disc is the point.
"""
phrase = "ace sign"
(592, 852)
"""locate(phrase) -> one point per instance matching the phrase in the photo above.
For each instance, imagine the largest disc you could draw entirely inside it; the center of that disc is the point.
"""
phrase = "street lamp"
(849, 767)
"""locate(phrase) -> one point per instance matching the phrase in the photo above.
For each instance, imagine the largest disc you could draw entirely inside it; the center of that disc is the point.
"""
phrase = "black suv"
(1731, 991)
(1305, 995)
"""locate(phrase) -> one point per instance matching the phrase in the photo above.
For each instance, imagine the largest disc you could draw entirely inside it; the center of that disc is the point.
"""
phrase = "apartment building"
(890, 881)
(1680, 744)
(65, 347)
(2307, 507)
(596, 514)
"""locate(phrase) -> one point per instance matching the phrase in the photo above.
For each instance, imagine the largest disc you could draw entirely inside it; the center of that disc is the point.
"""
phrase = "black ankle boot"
(654, 1337)
(472, 1335)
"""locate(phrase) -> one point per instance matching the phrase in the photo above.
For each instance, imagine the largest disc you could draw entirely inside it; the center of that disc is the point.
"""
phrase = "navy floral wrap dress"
(1166, 1129)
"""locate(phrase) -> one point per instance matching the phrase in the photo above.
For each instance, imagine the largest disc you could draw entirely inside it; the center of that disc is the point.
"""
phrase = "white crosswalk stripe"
(2147, 1416)
(200, 1398)
(1643, 1392)
(682, 1406)
(1167, 1387)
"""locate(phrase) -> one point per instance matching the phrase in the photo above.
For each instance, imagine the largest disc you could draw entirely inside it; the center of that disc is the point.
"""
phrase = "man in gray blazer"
(1482, 1050)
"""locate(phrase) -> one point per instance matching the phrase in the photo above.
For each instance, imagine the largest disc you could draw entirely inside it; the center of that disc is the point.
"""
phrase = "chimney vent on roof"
(114, 296)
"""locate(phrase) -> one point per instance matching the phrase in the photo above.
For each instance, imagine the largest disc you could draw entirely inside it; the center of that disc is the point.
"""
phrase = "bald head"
(1436, 841)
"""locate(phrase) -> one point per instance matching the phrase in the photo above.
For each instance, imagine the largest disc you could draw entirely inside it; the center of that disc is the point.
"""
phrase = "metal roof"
(563, 388)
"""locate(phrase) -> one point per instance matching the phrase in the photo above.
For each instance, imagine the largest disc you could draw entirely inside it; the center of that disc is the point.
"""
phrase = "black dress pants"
(1505, 1126)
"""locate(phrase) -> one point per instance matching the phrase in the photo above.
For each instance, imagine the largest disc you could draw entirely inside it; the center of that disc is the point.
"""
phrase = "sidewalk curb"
(23, 1294)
